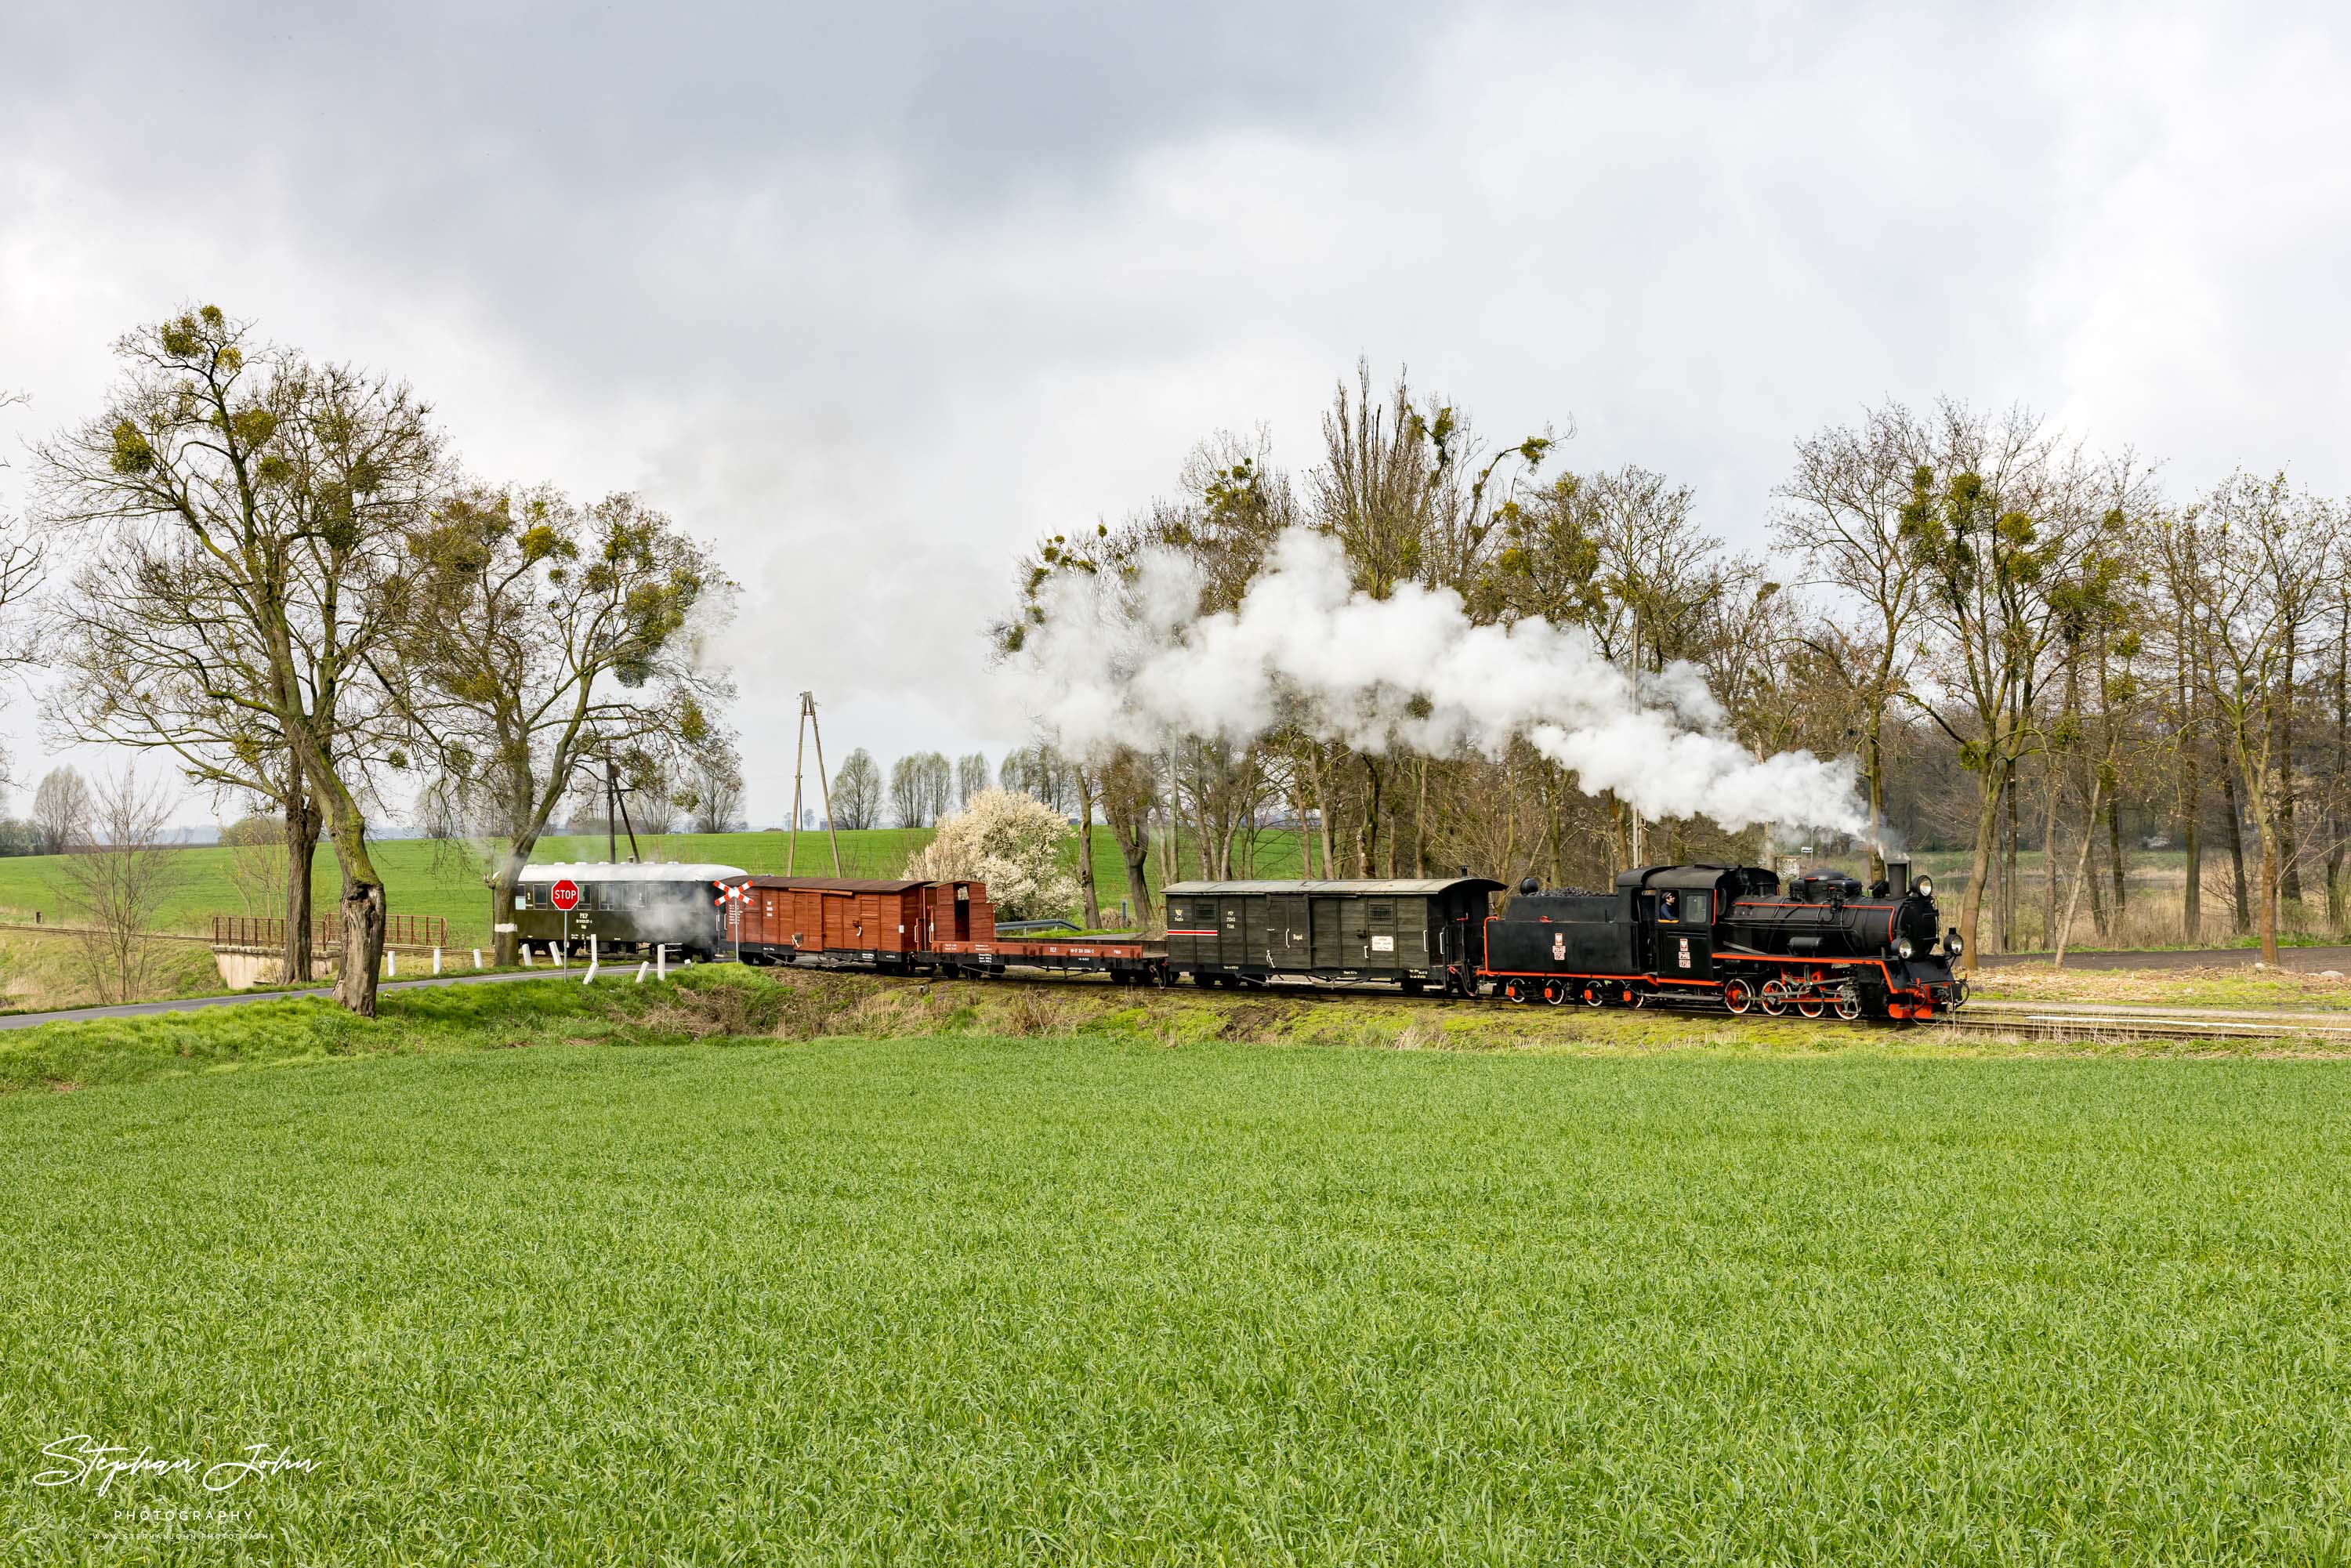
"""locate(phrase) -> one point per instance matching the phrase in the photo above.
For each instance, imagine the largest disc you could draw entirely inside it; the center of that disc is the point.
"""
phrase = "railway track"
(2122, 1024)
(2115, 1024)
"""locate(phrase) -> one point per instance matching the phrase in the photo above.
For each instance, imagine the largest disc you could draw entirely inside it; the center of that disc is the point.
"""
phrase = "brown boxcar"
(885, 924)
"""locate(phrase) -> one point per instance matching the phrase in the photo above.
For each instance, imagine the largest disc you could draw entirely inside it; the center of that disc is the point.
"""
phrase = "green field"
(431, 877)
(960, 1299)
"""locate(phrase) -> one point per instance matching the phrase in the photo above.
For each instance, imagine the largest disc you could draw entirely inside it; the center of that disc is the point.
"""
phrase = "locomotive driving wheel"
(1555, 991)
(1775, 997)
(1515, 990)
(1848, 1004)
(1812, 1006)
(1738, 996)
(1592, 996)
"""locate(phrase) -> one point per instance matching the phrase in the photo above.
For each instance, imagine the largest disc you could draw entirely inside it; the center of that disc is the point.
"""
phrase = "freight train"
(1713, 937)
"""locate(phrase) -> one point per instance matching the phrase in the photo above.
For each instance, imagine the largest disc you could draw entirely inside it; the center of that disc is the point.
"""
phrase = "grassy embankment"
(921, 1292)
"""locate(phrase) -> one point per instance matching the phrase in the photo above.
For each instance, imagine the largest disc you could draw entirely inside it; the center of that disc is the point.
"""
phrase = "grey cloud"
(873, 296)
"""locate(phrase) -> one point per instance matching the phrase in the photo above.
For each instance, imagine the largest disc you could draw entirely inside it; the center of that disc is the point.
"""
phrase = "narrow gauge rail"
(1711, 936)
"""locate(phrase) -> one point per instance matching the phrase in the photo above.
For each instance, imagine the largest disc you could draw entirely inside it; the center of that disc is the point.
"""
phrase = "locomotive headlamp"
(1904, 949)
(1924, 887)
(1952, 945)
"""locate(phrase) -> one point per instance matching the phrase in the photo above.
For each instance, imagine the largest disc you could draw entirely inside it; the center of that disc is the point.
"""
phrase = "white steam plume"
(1132, 662)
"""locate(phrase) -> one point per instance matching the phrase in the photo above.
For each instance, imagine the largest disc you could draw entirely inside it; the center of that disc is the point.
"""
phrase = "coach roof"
(1390, 887)
(607, 871)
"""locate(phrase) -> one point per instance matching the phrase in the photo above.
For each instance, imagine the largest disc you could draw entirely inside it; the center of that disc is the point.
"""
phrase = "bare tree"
(1842, 517)
(147, 649)
(908, 798)
(116, 878)
(61, 810)
(257, 861)
(2003, 513)
(971, 777)
(265, 504)
(653, 799)
(2265, 549)
(939, 786)
(857, 791)
(20, 576)
(712, 793)
(553, 638)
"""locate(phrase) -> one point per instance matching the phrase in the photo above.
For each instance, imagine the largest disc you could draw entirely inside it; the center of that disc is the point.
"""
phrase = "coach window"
(1669, 906)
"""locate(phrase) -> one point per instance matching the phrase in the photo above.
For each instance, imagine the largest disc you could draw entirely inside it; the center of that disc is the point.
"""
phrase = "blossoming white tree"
(1013, 843)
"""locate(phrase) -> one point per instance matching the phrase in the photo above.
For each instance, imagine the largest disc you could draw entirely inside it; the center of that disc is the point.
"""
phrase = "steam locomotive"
(1733, 936)
(1689, 936)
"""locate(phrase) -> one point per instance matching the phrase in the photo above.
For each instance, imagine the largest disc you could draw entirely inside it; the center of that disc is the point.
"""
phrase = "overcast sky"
(873, 296)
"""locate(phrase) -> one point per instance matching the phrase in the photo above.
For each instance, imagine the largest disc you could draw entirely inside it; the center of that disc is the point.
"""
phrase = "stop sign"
(564, 895)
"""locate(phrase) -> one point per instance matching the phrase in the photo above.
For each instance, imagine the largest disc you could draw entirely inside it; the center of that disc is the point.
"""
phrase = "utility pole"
(616, 805)
(807, 728)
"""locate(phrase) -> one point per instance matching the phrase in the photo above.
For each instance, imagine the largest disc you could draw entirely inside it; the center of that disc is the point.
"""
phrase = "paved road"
(2308, 959)
(189, 1004)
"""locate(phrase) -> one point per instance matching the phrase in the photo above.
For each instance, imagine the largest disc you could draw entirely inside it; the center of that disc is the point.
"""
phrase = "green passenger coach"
(1417, 933)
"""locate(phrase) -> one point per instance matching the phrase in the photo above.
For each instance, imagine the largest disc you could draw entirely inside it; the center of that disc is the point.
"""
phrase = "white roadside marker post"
(593, 958)
(526, 955)
(392, 961)
(436, 960)
(661, 960)
(643, 965)
(477, 957)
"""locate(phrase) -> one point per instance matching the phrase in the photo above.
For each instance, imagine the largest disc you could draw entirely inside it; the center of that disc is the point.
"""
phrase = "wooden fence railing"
(268, 931)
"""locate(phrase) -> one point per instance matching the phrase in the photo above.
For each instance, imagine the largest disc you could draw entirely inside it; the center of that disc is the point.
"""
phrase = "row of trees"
(288, 584)
(2024, 643)
(924, 786)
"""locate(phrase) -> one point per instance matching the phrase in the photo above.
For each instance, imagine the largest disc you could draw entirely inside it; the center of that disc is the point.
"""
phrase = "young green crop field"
(957, 1299)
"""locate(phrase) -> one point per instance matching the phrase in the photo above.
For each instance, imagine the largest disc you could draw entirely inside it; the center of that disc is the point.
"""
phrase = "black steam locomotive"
(1732, 936)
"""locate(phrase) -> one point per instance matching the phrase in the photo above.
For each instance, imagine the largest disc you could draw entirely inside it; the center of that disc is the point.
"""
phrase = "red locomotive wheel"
(1811, 1007)
(1738, 996)
(1775, 998)
(1848, 1005)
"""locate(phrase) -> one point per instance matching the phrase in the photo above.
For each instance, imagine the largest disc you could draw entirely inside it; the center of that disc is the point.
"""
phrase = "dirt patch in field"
(2188, 985)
